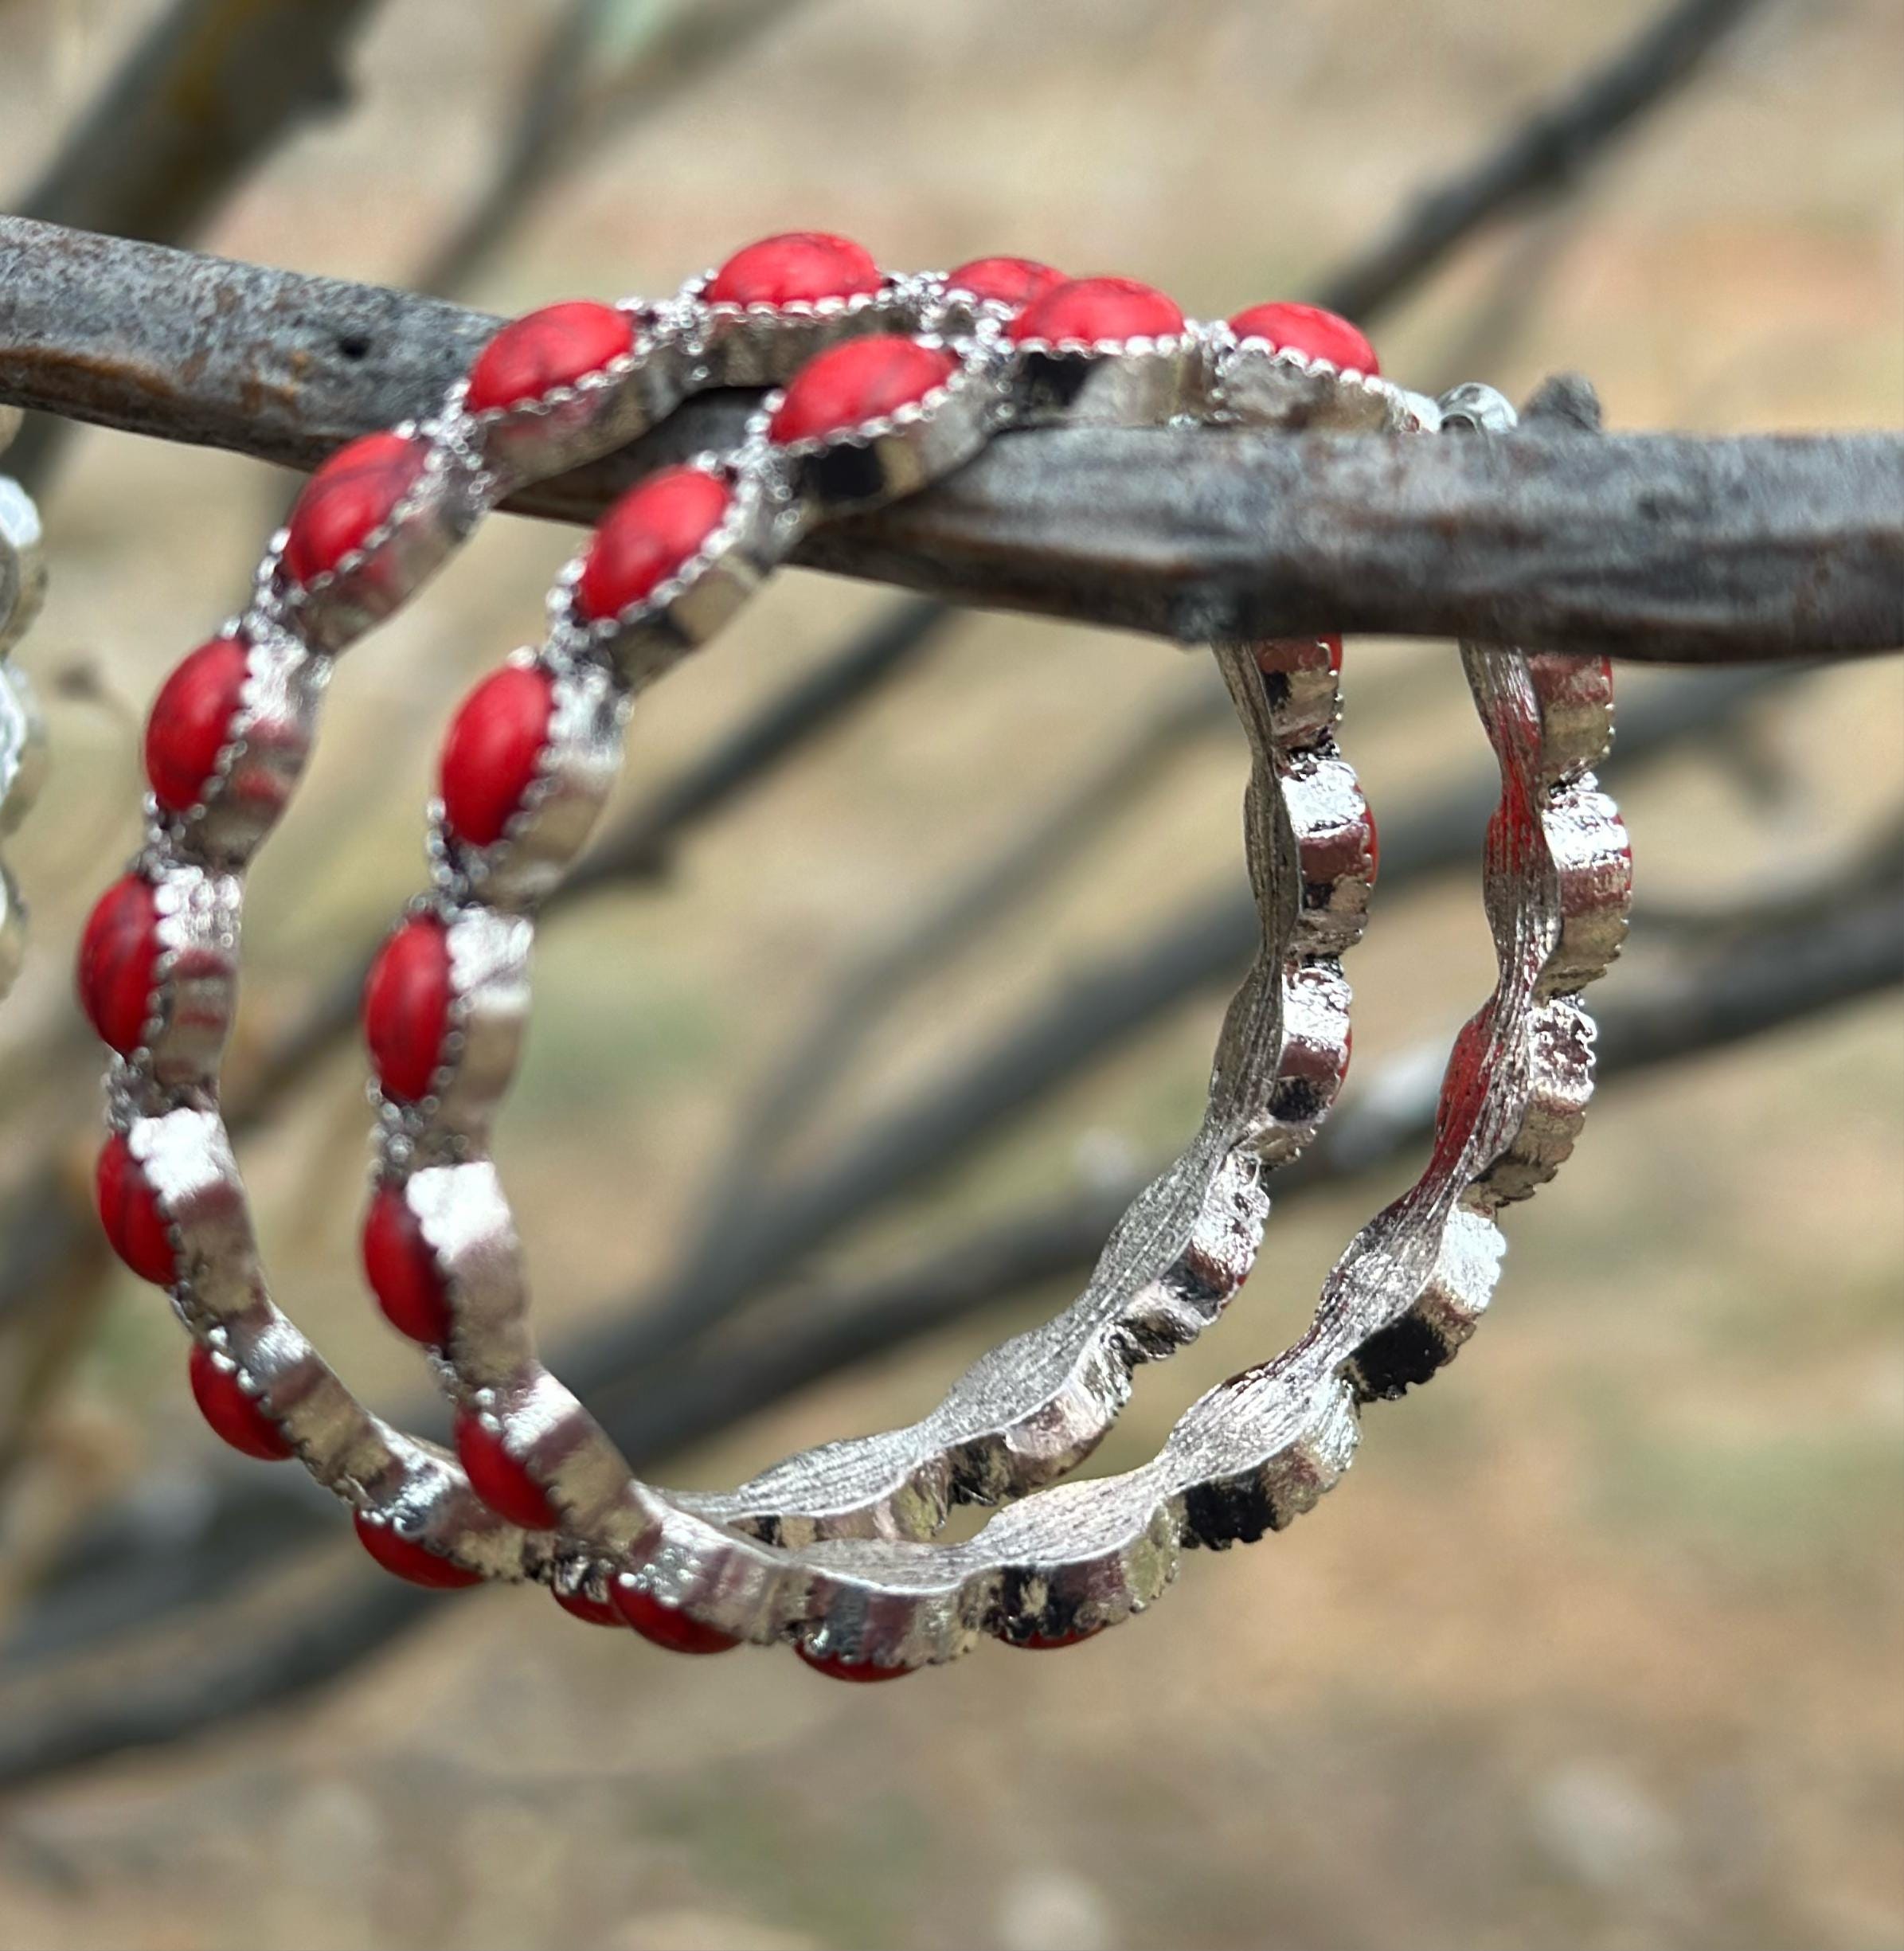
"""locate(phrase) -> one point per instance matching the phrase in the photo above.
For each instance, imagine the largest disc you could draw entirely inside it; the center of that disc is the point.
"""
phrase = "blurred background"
(911, 938)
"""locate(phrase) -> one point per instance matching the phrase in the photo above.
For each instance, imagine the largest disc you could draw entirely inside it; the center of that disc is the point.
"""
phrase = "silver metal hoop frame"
(831, 1550)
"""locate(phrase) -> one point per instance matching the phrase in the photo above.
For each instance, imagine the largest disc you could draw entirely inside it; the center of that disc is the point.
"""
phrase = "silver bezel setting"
(1253, 383)
(592, 415)
(766, 344)
(683, 612)
(1140, 381)
(263, 757)
(579, 758)
(892, 455)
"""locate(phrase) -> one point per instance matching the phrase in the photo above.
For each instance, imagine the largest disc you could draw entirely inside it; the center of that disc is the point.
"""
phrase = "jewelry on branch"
(883, 384)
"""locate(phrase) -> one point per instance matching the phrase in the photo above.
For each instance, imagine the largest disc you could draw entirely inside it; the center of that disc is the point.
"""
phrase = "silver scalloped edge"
(762, 345)
(194, 975)
(267, 740)
(603, 378)
(1142, 380)
(1260, 1448)
(1033, 1408)
(891, 455)
(582, 420)
(1401, 411)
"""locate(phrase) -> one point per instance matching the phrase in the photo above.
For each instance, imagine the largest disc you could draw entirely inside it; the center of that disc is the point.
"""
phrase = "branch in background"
(1545, 157)
(1061, 1038)
(260, 1649)
(607, 67)
(208, 92)
(641, 847)
(958, 920)
(1552, 153)
(924, 946)
(1661, 547)
(1451, 239)
(1786, 900)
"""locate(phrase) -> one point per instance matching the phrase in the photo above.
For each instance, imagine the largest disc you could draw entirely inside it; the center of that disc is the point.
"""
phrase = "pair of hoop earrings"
(882, 385)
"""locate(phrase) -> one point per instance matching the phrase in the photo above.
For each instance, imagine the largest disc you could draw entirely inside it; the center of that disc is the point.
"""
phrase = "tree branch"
(1662, 547)
(1545, 156)
(605, 67)
(641, 847)
(207, 91)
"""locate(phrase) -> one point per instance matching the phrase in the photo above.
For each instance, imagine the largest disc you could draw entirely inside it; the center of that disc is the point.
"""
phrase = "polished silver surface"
(222, 1298)
(1037, 1404)
(1132, 382)
(898, 453)
(766, 344)
(1254, 384)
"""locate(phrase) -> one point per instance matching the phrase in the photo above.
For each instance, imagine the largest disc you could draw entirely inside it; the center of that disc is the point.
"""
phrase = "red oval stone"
(796, 267)
(407, 1007)
(1013, 281)
(402, 1272)
(354, 493)
(665, 1625)
(1093, 309)
(191, 720)
(1309, 330)
(647, 537)
(490, 757)
(861, 1672)
(128, 1211)
(118, 952)
(861, 380)
(555, 346)
(502, 1481)
(408, 1559)
(593, 1611)
(236, 1417)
